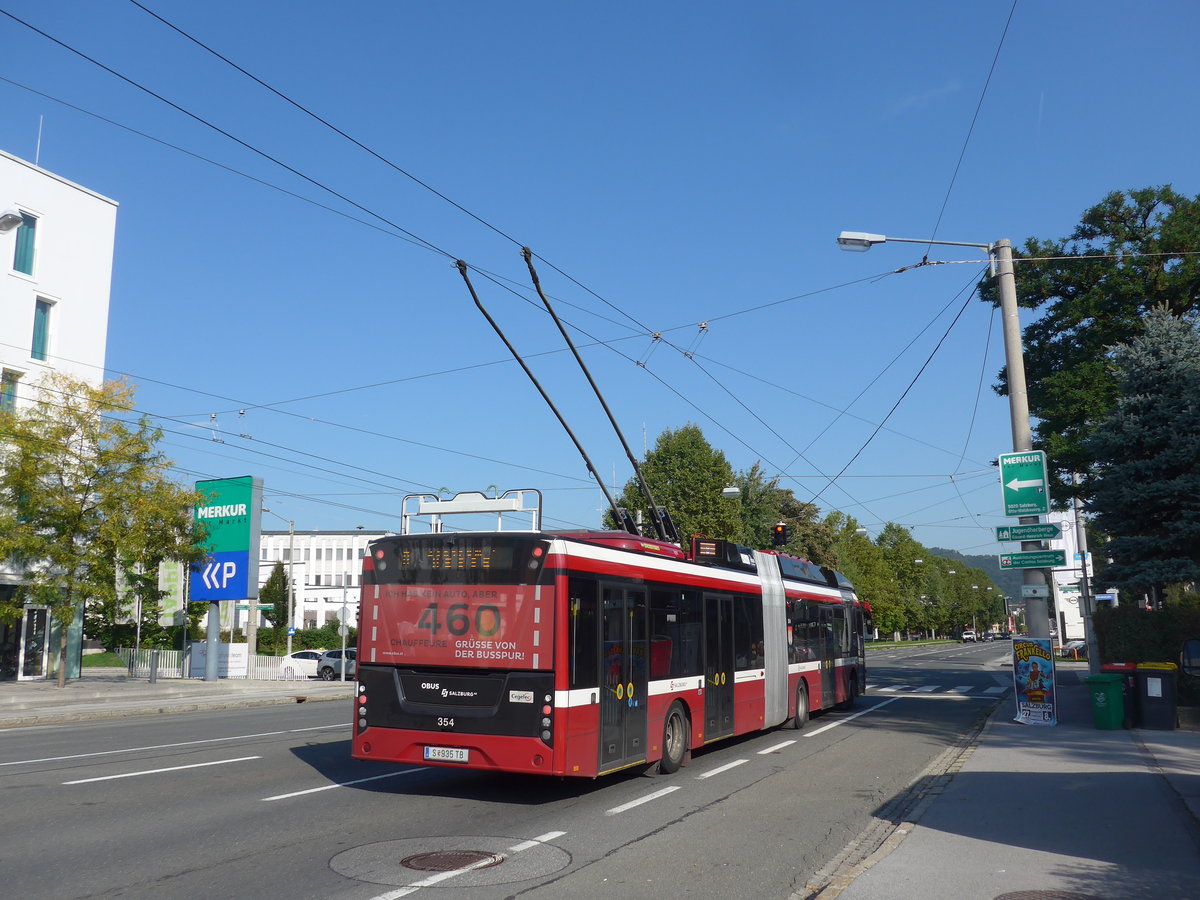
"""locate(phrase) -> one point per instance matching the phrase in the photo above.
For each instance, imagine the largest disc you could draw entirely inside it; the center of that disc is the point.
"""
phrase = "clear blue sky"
(687, 163)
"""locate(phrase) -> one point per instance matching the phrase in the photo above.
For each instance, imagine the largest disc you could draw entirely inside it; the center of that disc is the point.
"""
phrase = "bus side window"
(747, 632)
(675, 630)
(583, 634)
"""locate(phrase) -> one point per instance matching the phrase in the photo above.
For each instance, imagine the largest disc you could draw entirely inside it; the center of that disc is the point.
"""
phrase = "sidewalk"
(1068, 812)
(109, 693)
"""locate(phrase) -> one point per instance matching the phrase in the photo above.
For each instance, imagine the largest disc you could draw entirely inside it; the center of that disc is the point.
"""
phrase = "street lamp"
(291, 577)
(1000, 267)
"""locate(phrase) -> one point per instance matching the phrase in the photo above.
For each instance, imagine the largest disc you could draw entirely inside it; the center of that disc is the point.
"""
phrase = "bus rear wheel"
(851, 692)
(799, 720)
(675, 740)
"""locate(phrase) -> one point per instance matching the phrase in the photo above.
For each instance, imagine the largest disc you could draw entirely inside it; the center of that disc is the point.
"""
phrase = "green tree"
(85, 495)
(905, 557)
(863, 562)
(276, 592)
(686, 475)
(1145, 492)
(763, 504)
(1128, 254)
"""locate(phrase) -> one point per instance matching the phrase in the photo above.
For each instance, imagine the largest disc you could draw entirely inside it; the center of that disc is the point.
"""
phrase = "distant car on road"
(1005, 635)
(988, 636)
(968, 635)
(301, 664)
(330, 665)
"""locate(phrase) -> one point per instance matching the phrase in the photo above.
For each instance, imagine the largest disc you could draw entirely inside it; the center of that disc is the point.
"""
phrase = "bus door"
(828, 658)
(718, 666)
(623, 706)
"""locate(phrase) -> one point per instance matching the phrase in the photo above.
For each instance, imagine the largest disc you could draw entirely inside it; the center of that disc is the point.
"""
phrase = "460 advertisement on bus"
(483, 627)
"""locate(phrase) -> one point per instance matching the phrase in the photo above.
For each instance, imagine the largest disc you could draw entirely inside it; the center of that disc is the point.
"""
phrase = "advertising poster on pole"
(1033, 676)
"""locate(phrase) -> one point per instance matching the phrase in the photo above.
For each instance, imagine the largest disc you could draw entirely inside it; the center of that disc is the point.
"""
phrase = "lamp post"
(291, 577)
(1001, 268)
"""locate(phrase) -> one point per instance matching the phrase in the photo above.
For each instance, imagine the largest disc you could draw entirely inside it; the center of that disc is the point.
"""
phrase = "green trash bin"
(1108, 700)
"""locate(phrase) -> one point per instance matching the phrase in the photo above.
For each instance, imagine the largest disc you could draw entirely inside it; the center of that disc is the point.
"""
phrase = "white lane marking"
(962, 689)
(219, 762)
(646, 799)
(851, 718)
(883, 690)
(776, 747)
(996, 690)
(724, 768)
(442, 876)
(338, 784)
(234, 737)
(927, 689)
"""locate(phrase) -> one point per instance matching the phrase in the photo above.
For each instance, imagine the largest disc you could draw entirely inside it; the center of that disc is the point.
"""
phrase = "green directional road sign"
(1034, 559)
(1047, 531)
(1024, 483)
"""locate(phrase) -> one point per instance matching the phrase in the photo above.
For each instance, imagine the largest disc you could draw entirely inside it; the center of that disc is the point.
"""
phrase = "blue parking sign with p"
(221, 576)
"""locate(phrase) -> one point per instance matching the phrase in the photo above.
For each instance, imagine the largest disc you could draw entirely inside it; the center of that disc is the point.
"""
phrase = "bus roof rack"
(469, 502)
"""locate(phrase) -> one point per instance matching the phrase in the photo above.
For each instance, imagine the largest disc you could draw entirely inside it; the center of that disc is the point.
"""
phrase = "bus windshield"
(457, 600)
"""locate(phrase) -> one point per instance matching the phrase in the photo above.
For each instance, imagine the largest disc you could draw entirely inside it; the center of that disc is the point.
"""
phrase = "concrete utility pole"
(1037, 616)
(1037, 610)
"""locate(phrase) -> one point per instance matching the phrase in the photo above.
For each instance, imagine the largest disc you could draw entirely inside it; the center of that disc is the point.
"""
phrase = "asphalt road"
(267, 803)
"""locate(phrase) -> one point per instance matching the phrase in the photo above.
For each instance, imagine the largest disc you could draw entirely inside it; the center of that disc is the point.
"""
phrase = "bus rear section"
(455, 662)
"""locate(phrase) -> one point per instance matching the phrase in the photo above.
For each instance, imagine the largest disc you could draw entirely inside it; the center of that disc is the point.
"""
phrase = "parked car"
(1073, 650)
(330, 665)
(968, 635)
(301, 664)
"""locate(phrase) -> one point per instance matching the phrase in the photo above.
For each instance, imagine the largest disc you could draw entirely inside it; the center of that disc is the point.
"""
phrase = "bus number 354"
(458, 619)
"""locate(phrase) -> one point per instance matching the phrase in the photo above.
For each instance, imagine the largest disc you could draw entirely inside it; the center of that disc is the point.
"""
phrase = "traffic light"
(781, 534)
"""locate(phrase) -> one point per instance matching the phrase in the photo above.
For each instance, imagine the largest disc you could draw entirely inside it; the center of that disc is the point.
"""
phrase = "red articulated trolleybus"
(582, 653)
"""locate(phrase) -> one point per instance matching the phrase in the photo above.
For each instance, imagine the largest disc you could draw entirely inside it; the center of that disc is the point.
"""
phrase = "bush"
(1129, 634)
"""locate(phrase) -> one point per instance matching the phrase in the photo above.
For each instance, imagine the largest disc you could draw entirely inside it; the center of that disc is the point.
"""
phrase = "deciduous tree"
(686, 475)
(85, 494)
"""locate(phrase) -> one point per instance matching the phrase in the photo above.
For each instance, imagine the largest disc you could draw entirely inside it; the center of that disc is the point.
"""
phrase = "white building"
(1069, 618)
(326, 567)
(56, 246)
(56, 257)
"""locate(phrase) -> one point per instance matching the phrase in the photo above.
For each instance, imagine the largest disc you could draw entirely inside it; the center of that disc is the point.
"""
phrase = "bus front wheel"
(675, 740)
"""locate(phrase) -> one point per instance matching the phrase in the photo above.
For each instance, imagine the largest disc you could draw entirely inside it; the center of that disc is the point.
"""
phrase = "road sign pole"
(214, 639)
(1037, 616)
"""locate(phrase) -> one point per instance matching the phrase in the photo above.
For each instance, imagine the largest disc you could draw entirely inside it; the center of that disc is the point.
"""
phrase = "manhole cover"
(451, 860)
(1047, 895)
(456, 862)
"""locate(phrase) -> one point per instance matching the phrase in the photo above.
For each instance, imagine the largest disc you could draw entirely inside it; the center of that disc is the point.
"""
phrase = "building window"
(318, 554)
(26, 237)
(41, 330)
(8, 391)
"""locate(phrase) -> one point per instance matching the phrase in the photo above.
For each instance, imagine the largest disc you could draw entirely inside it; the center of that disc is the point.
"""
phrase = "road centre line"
(234, 737)
(646, 799)
(851, 718)
(725, 768)
(219, 762)
(330, 787)
(442, 876)
(775, 748)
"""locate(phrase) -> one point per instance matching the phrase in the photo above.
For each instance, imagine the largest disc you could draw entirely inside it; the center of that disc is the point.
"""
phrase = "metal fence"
(177, 664)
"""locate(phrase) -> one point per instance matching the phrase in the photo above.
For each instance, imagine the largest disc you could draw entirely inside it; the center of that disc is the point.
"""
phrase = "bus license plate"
(448, 754)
